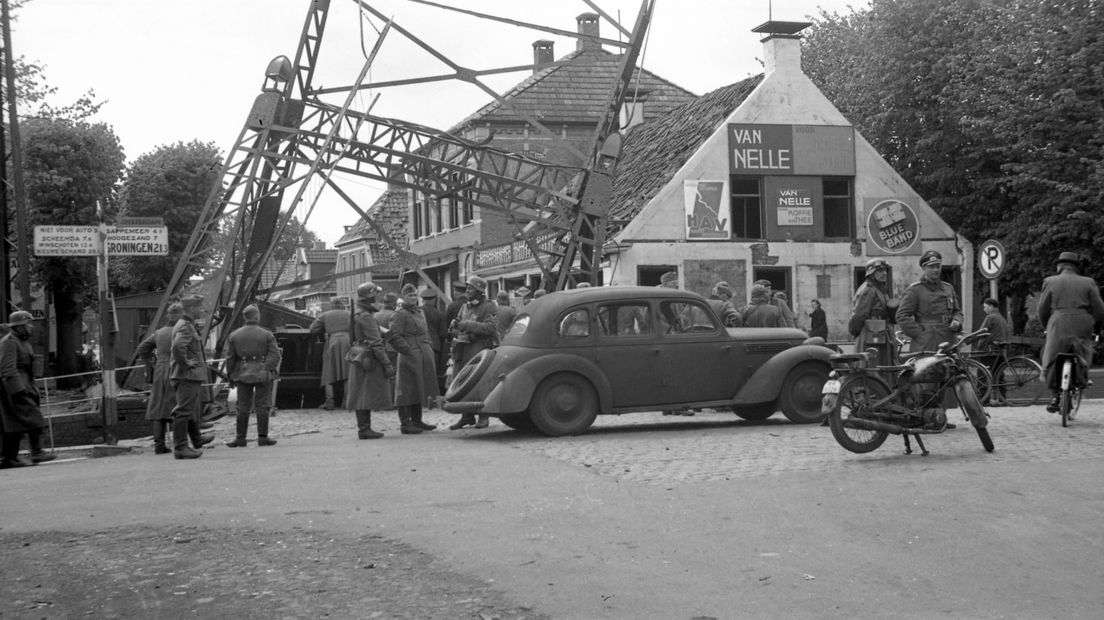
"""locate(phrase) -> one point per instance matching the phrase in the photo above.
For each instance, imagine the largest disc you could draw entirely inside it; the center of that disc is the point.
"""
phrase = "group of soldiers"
(765, 308)
(401, 353)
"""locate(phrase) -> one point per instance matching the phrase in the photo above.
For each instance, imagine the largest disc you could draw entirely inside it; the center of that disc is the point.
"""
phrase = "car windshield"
(519, 326)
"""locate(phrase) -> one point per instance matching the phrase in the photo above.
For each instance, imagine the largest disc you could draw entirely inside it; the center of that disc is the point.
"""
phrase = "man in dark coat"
(869, 322)
(505, 314)
(383, 319)
(1071, 308)
(368, 386)
(20, 413)
(720, 300)
(474, 329)
(187, 372)
(436, 327)
(252, 363)
(157, 349)
(416, 374)
(333, 325)
(760, 312)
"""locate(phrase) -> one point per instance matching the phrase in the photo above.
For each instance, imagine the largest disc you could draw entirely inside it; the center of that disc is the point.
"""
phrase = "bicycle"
(1072, 380)
(1016, 380)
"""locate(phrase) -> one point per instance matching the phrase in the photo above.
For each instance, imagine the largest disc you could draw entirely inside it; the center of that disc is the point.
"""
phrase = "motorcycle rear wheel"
(857, 392)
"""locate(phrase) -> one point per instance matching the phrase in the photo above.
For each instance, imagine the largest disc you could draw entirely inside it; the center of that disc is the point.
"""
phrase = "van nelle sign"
(771, 150)
(85, 241)
(891, 227)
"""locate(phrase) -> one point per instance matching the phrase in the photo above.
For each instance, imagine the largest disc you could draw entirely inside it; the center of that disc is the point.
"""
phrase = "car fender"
(766, 383)
(514, 392)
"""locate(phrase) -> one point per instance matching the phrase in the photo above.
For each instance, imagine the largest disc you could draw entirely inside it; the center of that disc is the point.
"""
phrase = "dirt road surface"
(644, 516)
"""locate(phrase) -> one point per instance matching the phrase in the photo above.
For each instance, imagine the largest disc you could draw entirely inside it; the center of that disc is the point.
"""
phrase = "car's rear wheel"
(469, 375)
(801, 393)
(755, 413)
(518, 421)
(564, 404)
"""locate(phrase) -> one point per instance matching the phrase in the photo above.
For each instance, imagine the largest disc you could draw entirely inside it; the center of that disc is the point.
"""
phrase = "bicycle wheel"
(1019, 381)
(1065, 405)
(980, 377)
(856, 393)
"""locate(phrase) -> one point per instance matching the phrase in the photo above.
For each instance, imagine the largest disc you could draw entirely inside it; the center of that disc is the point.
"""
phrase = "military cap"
(931, 257)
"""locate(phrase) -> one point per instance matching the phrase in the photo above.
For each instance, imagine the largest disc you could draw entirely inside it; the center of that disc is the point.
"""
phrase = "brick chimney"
(782, 45)
(588, 26)
(319, 245)
(543, 54)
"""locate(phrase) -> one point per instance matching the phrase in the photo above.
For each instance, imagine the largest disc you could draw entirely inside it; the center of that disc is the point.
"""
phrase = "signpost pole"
(107, 343)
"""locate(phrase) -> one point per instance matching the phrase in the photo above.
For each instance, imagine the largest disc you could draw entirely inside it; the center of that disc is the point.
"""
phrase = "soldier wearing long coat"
(1070, 306)
(416, 375)
(333, 325)
(870, 314)
(252, 363)
(367, 387)
(474, 329)
(157, 349)
(760, 312)
(930, 313)
(19, 409)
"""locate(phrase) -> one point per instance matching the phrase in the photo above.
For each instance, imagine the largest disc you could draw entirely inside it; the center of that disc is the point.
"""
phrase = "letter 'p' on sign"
(991, 259)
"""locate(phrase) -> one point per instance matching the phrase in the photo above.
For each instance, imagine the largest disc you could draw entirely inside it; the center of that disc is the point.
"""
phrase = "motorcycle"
(865, 403)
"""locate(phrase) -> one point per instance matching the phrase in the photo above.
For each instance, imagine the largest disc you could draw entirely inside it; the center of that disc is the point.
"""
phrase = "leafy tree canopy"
(991, 110)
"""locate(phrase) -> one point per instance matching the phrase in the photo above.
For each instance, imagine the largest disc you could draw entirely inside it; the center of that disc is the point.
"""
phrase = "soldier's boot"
(181, 449)
(198, 438)
(406, 420)
(38, 455)
(364, 425)
(329, 404)
(241, 427)
(262, 428)
(416, 416)
(484, 420)
(160, 430)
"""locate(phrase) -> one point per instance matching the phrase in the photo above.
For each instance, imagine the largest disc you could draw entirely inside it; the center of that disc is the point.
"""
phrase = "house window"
(438, 214)
(747, 208)
(419, 231)
(467, 209)
(824, 287)
(839, 212)
(453, 213)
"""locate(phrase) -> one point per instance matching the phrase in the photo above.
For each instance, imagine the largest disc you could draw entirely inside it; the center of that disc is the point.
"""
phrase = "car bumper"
(464, 407)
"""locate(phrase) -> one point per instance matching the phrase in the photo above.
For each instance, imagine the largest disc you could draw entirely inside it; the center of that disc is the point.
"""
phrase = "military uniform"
(157, 349)
(926, 312)
(870, 317)
(187, 372)
(253, 363)
(19, 409)
(368, 386)
(334, 326)
(416, 374)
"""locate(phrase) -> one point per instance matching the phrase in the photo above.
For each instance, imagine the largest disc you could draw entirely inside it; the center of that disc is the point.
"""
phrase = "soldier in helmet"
(474, 329)
(20, 413)
(1071, 308)
(869, 322)
(157, 348)
(368, 386)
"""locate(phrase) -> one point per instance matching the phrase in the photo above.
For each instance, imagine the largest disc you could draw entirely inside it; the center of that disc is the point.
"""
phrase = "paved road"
(644, 516)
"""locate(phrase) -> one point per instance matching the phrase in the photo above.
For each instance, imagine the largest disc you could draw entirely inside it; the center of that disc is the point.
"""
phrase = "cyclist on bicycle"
(1070, 306)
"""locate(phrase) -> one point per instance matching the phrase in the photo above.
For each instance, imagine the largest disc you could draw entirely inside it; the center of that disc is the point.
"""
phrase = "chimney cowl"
(588, 27)
(544, 54)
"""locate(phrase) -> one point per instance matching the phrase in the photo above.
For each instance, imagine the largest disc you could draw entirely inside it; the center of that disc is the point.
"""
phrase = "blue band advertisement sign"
(892, 227)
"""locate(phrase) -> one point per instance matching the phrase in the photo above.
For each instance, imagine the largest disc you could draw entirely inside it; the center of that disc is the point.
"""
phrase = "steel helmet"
(874, 264)
(20, 317)
(367, 291)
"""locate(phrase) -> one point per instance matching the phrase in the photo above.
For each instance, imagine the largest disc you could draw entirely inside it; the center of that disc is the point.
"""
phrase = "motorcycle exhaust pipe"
(872, 425)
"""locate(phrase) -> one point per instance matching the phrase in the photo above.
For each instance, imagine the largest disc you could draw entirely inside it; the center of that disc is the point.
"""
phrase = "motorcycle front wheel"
(968, 400)
(855, 394)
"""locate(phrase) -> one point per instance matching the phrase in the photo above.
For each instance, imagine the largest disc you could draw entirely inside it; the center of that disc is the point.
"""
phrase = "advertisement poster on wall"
(892, 227)
(705, 205)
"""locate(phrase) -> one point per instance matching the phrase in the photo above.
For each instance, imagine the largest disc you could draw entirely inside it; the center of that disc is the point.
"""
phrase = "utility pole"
(17, 164)
(107, 339)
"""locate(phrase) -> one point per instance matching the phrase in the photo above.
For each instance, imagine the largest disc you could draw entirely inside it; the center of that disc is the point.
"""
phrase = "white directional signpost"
(991, 259)
(103, 241)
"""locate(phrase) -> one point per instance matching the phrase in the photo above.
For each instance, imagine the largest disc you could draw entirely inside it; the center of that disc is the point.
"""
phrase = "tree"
(295, 235)
(990, 110)
(171, 182)
(69, 167)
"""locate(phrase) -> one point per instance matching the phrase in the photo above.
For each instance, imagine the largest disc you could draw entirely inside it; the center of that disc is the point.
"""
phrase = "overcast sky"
(178, 70)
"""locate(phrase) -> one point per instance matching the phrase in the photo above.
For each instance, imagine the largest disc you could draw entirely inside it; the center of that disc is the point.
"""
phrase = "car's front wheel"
(564, 404)
(800, 398)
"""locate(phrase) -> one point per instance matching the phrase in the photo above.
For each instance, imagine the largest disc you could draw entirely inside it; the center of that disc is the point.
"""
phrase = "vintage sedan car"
(572, 355)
